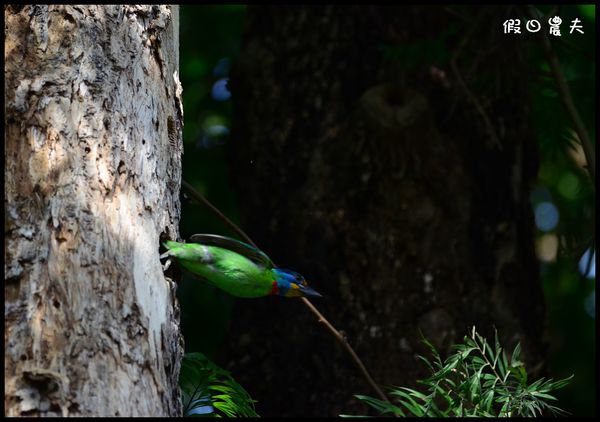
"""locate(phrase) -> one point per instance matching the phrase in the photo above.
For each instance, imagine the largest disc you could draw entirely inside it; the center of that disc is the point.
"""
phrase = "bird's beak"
(308, 291)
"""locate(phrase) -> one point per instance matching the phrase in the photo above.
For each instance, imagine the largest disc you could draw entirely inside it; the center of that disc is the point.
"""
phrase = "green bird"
(236, 267)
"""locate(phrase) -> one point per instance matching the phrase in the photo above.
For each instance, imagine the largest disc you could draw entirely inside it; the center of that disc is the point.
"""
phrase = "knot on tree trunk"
(394, 108)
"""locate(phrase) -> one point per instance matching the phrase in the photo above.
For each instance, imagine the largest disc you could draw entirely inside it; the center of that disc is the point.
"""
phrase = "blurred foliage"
(210, 39)
(565, 183)
(477, 380)
(208, 390)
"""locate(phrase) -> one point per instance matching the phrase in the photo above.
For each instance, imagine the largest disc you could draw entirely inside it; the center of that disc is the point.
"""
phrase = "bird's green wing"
(250, 252)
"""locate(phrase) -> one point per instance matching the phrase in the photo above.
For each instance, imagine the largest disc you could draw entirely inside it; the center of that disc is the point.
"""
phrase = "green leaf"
(472, 385)
(543, 395)
(561, 383)
(516, 354)
(380, 405)
(522, 375)
(504, 411)
(446, 395)
(354, 416)
(199, 377)
(487, 401)
(459, 410)
(536, 385)
(503, 363)
(474, 389)
(429, 365)
(479, 362)
(414, 393)
(412, 406)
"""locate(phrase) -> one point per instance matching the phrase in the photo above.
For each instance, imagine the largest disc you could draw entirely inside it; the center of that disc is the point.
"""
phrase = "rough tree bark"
(386, 153)
(93, 163)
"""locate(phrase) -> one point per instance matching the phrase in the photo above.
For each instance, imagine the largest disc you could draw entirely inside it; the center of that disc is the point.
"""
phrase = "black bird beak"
(308, 291)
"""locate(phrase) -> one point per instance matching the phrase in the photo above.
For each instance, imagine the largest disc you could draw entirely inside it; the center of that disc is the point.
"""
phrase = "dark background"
(562, 197)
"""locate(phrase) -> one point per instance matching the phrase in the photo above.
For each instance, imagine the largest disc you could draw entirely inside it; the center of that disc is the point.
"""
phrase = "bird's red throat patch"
(274, 289)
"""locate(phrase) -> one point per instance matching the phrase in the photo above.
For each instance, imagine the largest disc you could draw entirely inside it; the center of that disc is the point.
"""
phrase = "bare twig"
(344, 341)
(486, 120)
(337, 334)
(567, 99)
(495, 140)
(472, 98)
(201, 199)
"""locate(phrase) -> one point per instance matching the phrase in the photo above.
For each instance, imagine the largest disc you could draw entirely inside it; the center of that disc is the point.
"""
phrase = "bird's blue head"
(291, 284)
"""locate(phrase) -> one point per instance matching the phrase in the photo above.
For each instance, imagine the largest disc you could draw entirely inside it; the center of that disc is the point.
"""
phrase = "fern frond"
(208, 390)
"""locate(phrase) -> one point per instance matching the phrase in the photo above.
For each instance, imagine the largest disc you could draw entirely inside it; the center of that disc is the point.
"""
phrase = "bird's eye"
(300, 279)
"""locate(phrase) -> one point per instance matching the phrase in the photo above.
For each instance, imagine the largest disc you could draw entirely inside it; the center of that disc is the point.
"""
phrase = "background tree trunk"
(93, 143)
(385, 153)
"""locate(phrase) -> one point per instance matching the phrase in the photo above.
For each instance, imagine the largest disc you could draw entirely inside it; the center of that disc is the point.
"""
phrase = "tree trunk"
(386, 153)
(93, 144)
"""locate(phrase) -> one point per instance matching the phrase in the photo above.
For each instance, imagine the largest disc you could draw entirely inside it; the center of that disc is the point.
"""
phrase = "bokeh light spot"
(214, 136)
(587, 268)
(220, 92)
(546, 216)
(547, 247)
(195, 68)
(568, 185)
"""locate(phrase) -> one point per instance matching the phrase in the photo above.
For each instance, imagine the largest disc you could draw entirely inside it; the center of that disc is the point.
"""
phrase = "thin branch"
(567, 100)
(344, 341)
(336, 333)
(201, 199)
(472, 98)
(486, 120)
(495, 140)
